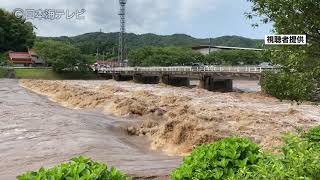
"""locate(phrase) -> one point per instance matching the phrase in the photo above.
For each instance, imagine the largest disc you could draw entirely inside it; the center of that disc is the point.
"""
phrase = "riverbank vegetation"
(49, 74)
(238, 158)
(16, 34)
(174, 56)
(291, 86)
(299, 78)
(62, 56)
(78, 168)
(3, 73)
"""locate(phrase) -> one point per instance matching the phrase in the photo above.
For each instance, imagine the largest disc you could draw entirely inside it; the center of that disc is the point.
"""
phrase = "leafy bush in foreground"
(79, 168)
(301, 157)
(237, 158)
(221, 160)
(313, 134)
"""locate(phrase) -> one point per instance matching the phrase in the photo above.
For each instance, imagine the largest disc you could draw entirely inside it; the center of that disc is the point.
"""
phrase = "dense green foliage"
(236, 57)
(3, 72)
(62, 56)
(4, 59)
(15, 33)
(301, 157)
(293, 17)
(313, 135)
(79, 168)
(108, 42)
(221, 160)
(171, 56)
(150, 56)
(237, 158)
(291, 86)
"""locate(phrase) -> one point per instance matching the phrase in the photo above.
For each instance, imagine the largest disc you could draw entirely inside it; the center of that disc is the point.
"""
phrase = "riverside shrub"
(291, 86)
(79, 168)
(313, 134)
(221, 160)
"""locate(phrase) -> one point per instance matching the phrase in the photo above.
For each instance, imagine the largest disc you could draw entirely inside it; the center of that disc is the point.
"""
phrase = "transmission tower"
(122, 52)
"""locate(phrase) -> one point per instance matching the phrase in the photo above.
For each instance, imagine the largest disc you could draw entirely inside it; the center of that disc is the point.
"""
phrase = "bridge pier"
(211, 84)
(119, 77)
(139, 78)
(175, 81)
(104, 76)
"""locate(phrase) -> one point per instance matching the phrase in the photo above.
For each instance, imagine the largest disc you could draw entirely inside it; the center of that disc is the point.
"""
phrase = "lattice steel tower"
(122, 52)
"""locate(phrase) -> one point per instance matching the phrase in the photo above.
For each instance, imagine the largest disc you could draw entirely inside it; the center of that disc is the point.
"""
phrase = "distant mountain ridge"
(107, 42)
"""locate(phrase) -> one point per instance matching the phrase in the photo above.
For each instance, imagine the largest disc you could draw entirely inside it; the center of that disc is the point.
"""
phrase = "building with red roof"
(25, 59)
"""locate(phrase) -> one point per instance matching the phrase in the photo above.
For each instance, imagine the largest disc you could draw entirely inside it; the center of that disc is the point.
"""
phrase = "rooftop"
(225, 47)
(19, 55)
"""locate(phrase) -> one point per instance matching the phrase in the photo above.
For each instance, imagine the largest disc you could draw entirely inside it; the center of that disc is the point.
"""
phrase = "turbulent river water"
(36, 132)
(44, 123)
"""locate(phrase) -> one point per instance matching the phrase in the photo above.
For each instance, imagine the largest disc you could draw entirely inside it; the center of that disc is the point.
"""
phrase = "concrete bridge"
(212, 78)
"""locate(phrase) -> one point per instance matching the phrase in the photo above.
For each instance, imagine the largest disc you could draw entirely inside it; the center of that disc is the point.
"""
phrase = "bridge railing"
(240, 69)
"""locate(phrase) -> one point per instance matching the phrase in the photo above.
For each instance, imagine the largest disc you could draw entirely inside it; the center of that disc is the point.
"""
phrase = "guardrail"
(233, 69)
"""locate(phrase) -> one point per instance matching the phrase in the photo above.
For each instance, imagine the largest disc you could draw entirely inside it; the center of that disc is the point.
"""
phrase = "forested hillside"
(107, 42)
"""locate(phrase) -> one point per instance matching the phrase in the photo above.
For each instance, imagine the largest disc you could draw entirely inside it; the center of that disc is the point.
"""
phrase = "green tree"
(291, 86)
(169, 56)
(4, 59)
(236, 57)
(62, 56)
(15, 33)
(293, 17)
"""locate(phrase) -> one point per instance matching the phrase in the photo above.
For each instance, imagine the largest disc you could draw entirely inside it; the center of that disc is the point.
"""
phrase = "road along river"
(36, 132)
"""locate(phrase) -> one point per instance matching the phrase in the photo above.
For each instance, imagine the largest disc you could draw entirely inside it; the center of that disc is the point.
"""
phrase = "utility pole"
(97, 55)
(209, 45)
(122, 54)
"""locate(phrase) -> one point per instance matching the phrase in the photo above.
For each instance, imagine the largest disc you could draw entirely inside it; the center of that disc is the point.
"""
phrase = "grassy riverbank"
(49, 74)
(3, 73)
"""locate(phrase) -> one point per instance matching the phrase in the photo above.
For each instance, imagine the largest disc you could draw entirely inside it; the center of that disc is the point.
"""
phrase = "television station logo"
(286, 39)
(49, 14)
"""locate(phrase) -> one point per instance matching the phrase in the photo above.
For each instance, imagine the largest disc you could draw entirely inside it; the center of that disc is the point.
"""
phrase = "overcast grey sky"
(198, 18)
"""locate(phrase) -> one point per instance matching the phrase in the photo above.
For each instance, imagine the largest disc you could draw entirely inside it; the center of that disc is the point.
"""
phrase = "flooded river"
(36, 132)
(177, 119)
(64, 119)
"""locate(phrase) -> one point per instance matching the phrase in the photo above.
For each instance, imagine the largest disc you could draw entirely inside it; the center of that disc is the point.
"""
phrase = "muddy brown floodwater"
(95, 119)
(36, 132)
(177, 119)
